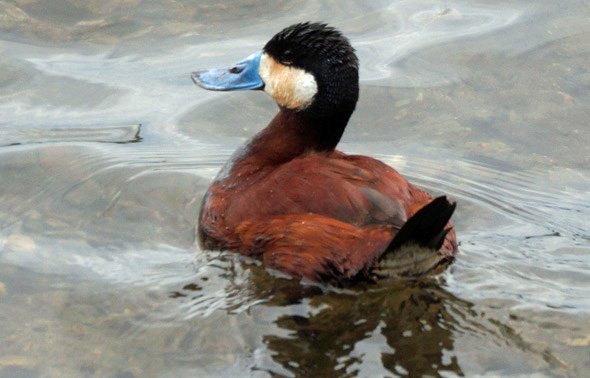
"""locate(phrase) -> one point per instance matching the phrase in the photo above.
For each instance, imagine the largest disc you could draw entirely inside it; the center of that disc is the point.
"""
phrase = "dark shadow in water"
(410, 323)
(409, 326)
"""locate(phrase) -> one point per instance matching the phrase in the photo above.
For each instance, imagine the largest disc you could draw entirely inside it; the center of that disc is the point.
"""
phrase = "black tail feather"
(427, 227)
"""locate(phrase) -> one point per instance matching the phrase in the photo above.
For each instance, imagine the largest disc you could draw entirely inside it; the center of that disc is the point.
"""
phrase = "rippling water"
(106, 148)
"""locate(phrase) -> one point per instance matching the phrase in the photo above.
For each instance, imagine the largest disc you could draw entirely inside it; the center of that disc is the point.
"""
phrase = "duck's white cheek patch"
(290, 87)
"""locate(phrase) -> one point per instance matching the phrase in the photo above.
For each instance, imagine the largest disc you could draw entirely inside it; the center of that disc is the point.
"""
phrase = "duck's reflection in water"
(396, 327)
(403, 327)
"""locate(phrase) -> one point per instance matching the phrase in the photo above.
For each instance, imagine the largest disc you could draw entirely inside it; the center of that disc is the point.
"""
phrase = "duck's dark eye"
(236, 70)
(287, 57)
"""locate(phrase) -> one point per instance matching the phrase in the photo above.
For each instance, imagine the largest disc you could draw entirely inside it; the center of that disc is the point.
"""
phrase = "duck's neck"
(289, 135)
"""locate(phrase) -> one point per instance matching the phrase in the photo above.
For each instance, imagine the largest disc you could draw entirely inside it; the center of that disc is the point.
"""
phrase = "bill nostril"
(236, 70)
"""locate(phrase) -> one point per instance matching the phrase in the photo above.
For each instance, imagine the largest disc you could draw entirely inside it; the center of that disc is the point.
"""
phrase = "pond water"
(107, 147)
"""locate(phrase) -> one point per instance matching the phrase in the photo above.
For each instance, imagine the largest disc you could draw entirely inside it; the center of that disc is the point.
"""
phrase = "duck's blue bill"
(243, 75)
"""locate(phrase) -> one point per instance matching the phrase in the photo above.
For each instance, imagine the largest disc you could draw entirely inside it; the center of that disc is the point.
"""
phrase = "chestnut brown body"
(319, 215)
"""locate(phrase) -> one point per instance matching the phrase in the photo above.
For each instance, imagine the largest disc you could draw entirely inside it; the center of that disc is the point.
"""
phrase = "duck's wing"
(411, 198)
(359, 191)
(314, 246)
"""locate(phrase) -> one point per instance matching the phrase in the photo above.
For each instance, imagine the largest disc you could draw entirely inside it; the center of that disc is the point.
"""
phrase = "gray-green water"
(487, 101)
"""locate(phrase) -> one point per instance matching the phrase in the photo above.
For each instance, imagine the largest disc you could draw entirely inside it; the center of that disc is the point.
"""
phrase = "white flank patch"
(290, 87)
(409, 260)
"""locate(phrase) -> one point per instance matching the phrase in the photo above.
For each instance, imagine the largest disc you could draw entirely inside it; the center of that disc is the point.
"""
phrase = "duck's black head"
(308, 68)
(311, 67)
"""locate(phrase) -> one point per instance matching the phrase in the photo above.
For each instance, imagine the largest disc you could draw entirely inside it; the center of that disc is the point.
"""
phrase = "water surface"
(106, 149)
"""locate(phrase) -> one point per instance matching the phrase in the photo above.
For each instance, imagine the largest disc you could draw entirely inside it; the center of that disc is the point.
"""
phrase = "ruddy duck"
(291, 199)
